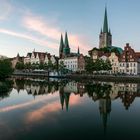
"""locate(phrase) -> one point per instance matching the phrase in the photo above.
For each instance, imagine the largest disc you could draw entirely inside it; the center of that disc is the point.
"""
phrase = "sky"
(26, 25)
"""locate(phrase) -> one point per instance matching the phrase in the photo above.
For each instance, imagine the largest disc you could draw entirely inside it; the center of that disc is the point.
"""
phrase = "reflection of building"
(35, 87)
(127, 92)
(105, 109)
(64, 98)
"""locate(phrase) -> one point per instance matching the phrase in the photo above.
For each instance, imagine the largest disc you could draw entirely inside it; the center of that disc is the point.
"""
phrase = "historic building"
(72, 61)
(114, 59)
(17, 59)
(40, 57)
(105, 37)
(64, 49)
(129, 61)
(106, 51)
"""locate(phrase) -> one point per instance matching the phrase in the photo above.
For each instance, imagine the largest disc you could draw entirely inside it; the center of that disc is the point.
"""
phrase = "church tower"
(61, 47)
(105, 37)
(66, 49)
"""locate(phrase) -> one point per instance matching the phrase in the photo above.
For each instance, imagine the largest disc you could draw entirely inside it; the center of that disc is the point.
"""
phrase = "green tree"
(89, 64)
(61, 67)
(19, 66)
(50, 65)
(27, 66)
(5, 68)
(41, 66)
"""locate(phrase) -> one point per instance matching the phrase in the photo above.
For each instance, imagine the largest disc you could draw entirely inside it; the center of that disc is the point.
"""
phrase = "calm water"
(33, 109)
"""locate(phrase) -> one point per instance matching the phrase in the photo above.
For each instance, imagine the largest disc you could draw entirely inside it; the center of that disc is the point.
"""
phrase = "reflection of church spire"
(61, 99)
(105, 109)
(64, 97)
(67, 97)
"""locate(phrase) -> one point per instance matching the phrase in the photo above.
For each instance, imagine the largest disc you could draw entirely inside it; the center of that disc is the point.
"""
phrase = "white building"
(75, 63)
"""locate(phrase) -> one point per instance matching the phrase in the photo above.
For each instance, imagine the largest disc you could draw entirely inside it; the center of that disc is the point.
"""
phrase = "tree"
(5, 68)
(19, 66)
(89, 64)
(41, 66)
(61, 67)
(50, 65)
(27, 66)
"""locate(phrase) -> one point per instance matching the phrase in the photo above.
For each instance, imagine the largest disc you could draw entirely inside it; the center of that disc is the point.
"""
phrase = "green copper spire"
(61, 44)
(66, 49)
(101, 31)
(66, 41)
(78, 52)
(109, 31)
(105, 26)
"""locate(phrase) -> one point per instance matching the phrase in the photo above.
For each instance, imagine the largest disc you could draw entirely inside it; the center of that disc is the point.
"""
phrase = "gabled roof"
(29, 55)
(66, 41)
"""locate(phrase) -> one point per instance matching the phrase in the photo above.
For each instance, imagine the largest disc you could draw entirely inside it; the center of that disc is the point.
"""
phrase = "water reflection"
(102, 93)
(5, 88)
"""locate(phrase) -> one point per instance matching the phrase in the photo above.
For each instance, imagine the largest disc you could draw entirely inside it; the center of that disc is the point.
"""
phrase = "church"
(73, 62)
(105, 41)
(125, 61)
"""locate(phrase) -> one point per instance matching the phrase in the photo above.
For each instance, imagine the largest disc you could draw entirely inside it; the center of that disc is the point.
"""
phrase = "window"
(134, 64)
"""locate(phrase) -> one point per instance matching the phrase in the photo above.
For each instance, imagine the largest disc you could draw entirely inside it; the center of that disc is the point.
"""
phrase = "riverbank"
(118, 78)
(114, 78)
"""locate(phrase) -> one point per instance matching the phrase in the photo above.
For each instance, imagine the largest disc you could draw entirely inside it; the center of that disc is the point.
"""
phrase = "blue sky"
(26, 25)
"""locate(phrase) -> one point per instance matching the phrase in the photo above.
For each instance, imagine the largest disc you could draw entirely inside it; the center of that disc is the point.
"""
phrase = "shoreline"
(126, 78)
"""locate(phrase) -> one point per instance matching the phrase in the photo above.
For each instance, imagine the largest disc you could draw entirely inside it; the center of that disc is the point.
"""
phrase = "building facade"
(75, 63)
(105, 37)
(40, 57)
(129, 61)
(72, 61)
(17, 59)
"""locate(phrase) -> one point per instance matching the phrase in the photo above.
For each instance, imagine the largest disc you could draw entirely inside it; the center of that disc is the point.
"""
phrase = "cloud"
(44, 27)
(37, 24)
(35, 40)
(48, 109)
(26, 104)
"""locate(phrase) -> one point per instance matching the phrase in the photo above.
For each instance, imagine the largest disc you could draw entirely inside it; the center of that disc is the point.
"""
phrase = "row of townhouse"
(35, 58)
(127, 62)
(40, 57)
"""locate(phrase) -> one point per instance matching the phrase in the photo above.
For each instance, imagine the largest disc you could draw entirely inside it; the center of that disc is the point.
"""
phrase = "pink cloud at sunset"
(41, 26)
(27, 104)
(46, 110)
(36, 24)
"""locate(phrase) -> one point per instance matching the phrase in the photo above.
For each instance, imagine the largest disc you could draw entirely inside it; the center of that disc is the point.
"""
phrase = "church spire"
(105, 26)
(66, 41)
(101, 31)
(61, 46)
(78, 52)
